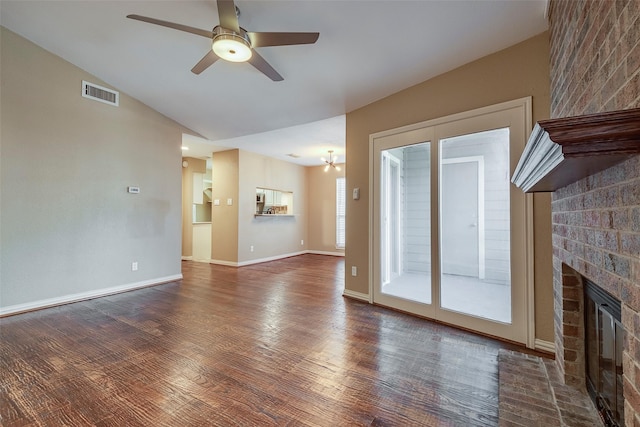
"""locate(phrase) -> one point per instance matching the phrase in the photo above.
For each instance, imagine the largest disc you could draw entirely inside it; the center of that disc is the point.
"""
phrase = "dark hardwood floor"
(268, 344)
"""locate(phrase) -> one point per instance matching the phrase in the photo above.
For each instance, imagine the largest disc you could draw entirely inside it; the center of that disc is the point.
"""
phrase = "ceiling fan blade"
(264, 67)
(205, 62)
(281, 39)
(186, 28)
(227, 15)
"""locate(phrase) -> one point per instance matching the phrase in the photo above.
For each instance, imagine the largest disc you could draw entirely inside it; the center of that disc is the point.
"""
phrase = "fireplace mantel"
(562, 151)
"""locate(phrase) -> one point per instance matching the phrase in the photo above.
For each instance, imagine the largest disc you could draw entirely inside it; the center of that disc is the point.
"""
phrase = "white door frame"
(392, 211)
(520, 113)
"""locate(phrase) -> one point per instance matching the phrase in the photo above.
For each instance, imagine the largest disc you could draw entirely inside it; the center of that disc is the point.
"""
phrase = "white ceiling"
(367, 50)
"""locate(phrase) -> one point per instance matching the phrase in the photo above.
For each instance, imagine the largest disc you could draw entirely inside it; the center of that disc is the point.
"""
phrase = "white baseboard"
(82, 296)
(187, 258)
(326, 253)
(546, 346)
(271, 258)
(223, 262)
(356, 295)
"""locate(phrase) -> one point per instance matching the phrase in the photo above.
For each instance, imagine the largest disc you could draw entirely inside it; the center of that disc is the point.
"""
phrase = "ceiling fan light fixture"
(232, 48)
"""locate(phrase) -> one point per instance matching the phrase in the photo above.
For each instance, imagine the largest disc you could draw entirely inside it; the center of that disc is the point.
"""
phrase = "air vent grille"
(99, 93)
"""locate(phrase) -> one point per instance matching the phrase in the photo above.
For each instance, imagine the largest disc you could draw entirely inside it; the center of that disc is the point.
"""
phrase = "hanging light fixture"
(331, 162)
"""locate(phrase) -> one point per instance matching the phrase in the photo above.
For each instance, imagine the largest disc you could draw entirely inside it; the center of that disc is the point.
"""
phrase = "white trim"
(356, 295)
(496, 108)
(223, 262)
(372, 227)
(546, 346)
(530, 272)
(255, 261)
(82, 296)
(325, 253)
(271, 258)
(529, 244)
(187, 258)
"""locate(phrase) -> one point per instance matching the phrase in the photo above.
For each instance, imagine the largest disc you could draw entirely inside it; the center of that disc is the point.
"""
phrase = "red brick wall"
(595, 56)
(595, 67)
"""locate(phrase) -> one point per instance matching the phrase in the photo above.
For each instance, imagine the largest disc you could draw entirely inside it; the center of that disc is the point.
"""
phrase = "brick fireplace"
(596, 234)
(591, 163)
(595, 67)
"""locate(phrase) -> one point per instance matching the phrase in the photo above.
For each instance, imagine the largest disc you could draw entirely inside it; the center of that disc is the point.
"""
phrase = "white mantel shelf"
(562, 151)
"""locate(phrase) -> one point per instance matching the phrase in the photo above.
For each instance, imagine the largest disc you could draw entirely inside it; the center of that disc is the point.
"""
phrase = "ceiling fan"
(331, 162)
(233, 43)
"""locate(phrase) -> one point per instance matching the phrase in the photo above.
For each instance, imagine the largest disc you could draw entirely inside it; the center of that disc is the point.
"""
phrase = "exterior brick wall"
(595, 67)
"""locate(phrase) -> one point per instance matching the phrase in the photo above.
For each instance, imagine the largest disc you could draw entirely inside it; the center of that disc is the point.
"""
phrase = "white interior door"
(460, 218)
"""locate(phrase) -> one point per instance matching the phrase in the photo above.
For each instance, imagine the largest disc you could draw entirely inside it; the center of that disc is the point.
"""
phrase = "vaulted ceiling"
(367, 49)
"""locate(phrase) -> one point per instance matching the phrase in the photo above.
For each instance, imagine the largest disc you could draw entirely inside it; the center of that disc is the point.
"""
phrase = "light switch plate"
(229, 202)
(356, 194)
(216, 202)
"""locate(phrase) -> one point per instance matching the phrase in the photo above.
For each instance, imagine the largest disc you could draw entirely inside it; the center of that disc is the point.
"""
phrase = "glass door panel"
(401, 218)
(405, 223)
(475, 273)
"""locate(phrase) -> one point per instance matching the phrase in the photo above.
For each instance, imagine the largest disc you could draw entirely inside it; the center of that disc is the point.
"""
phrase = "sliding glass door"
(450, 236)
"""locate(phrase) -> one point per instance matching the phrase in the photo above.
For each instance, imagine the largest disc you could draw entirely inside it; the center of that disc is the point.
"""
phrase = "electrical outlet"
(354, 270)
(251, 248)
(134, 266)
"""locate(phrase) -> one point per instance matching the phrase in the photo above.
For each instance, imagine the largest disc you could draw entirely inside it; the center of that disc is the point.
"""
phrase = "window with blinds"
(341, 201)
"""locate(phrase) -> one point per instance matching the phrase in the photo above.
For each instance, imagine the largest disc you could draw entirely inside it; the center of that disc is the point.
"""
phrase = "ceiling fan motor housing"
(230, 45)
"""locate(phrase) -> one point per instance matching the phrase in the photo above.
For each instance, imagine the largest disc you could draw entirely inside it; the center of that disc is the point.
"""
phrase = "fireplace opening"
(604, 336)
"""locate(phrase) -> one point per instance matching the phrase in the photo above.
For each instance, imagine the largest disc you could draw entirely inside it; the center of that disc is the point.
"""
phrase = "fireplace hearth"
(604, 336)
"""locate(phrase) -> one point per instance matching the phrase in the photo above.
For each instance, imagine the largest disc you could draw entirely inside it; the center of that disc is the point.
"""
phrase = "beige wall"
(270, 236)
(224, 218)
(68, 226)
(519, 71)
(235, 229)
(321, 196)
(195, 165)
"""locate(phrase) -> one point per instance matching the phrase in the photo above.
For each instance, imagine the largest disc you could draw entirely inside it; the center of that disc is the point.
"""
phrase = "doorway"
(450, 231)
(462, 205)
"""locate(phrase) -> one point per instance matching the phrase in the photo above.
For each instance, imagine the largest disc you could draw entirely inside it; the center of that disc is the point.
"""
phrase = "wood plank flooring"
(262, 345)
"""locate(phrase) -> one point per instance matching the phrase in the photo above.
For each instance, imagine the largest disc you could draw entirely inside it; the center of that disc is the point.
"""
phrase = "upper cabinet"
(273, 202)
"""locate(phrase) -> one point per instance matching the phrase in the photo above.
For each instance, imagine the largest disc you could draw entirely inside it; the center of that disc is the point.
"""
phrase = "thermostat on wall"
(133, 190)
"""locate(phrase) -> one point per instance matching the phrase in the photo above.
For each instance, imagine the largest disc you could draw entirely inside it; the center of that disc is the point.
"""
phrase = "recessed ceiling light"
(184, 148)
(295, 156)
